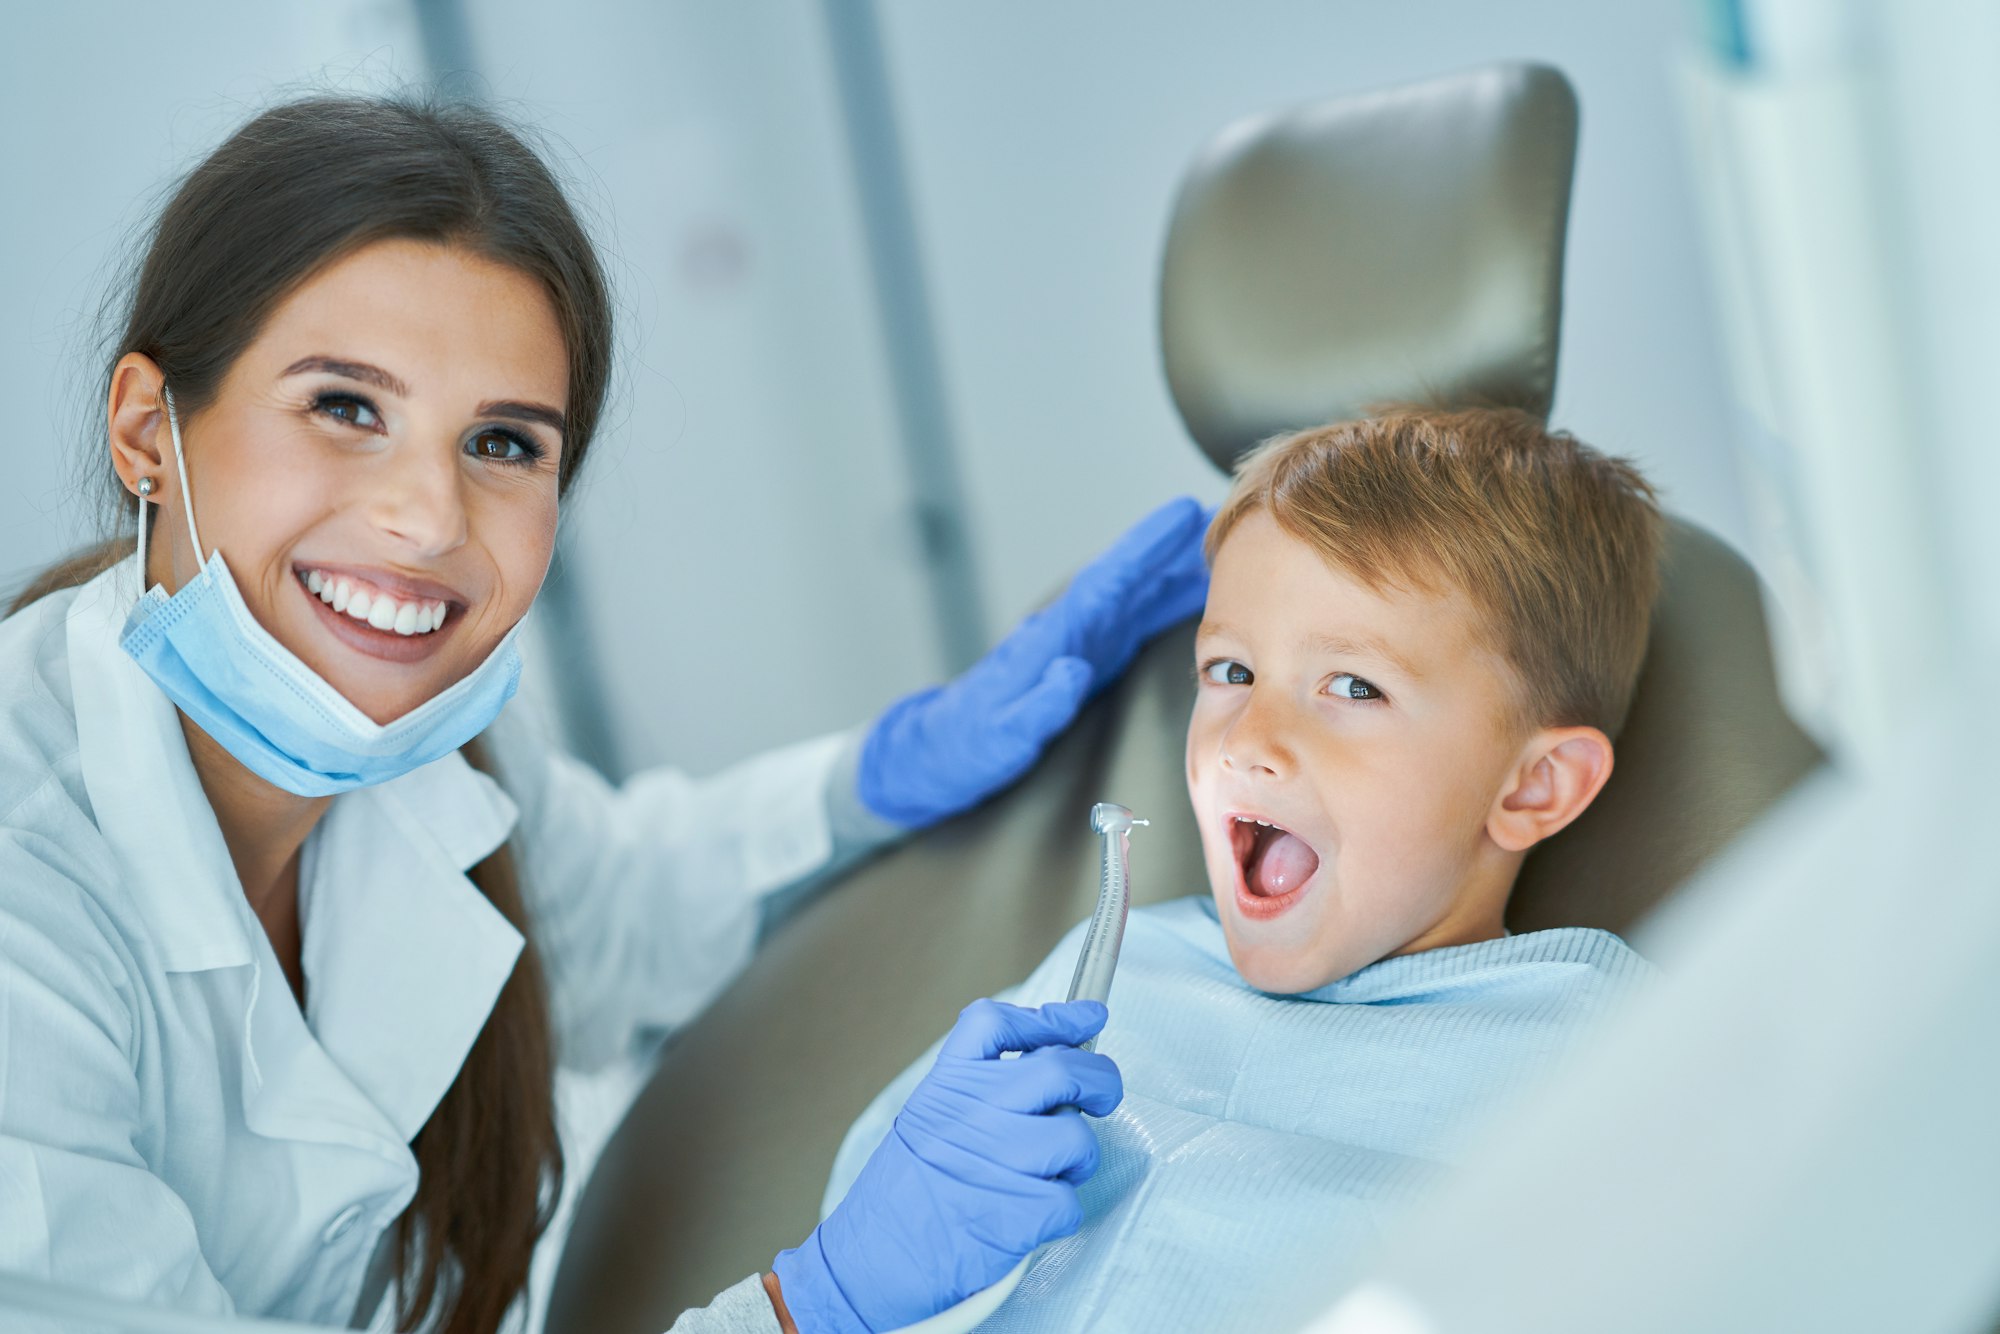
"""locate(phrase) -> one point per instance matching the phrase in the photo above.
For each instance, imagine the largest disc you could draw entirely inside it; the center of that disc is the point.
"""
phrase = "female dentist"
(295, 922)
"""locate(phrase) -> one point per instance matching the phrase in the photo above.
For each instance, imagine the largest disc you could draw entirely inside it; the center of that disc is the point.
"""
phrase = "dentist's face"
(1345, 751)
(388, 445)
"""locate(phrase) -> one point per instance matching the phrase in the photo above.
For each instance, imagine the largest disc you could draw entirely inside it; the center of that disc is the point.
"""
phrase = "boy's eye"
(1226, 672)
(1349, 686)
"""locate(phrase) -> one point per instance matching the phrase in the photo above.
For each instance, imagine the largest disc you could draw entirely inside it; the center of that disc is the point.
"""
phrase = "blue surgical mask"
(272, 712)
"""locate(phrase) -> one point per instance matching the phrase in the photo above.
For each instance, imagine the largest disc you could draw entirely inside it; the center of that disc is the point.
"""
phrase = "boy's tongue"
(1280, 863)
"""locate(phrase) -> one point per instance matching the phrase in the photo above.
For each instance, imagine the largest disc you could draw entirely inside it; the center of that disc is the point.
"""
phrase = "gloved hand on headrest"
(943, 750)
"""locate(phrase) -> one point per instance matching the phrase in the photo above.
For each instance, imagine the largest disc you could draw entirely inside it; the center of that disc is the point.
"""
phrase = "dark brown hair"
(300, 186)
(1556, 545)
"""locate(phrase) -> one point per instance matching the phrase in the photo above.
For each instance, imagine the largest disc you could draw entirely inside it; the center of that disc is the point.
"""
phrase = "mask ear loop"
(146, 487)
(180, 463)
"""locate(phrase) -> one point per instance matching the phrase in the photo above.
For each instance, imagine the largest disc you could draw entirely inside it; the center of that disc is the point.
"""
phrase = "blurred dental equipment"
(1098, 959)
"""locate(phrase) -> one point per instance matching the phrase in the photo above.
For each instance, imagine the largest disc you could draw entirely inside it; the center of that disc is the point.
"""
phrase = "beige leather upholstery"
(1433, 267)
(1405, 244)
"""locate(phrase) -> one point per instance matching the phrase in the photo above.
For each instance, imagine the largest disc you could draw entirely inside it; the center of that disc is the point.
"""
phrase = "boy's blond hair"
(1556, 545)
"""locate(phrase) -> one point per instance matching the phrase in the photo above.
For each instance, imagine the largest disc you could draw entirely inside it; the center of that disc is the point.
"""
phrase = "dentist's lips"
(375, 643)
(1273, 865)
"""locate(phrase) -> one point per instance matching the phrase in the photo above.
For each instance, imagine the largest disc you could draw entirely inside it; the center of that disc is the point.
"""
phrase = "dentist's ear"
(138, 422)
(1561, 771)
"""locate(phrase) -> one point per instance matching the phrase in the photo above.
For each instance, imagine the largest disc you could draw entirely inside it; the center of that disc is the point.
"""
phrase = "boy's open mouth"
(1275, 861)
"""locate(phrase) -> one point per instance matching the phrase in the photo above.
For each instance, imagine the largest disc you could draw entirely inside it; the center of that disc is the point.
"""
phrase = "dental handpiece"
(1094, 967)
(1099, 958)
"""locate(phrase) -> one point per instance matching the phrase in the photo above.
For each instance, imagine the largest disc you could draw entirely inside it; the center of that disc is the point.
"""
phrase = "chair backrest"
(1403, 245)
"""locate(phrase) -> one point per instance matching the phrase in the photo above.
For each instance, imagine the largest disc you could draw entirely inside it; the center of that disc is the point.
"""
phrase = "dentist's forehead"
(435, 319)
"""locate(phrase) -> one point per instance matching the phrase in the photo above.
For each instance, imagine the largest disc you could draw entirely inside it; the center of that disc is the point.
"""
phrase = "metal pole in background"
(447, 38)
(566, 630)
(930, 447)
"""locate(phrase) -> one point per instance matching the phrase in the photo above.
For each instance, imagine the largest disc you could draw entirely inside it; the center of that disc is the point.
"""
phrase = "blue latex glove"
(942, 750)
(977, 1171)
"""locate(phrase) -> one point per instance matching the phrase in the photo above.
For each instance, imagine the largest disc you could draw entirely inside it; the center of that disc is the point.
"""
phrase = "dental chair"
(1399, 246)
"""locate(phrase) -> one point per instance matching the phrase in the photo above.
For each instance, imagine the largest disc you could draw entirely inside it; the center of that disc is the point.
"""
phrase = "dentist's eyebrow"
(353, 370)
(511, 410)
(1339, 646)
(506, 409)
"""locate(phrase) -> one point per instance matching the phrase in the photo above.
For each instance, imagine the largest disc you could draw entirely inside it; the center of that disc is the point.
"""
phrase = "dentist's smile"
(382, 615)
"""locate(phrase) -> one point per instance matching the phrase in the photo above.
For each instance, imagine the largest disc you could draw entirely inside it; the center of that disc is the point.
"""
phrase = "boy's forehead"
(1272, 586)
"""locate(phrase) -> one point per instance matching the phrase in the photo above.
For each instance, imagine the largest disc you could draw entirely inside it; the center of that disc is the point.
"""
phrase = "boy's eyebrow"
(1343, 646)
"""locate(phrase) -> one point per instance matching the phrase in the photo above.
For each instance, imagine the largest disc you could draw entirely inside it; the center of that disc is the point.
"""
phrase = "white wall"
(101, 103)
(743, 540)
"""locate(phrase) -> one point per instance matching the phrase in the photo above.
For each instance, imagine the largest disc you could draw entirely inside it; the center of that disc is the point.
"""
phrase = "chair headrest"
(1401, 246)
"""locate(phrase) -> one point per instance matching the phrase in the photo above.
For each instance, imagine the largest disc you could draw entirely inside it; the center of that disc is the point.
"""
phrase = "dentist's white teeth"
(376, 608)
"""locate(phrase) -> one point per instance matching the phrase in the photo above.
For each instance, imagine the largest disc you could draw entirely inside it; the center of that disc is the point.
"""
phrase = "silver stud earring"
(145, 486)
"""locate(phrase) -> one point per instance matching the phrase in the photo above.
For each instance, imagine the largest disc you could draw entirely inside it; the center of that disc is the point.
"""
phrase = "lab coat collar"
(403, 955)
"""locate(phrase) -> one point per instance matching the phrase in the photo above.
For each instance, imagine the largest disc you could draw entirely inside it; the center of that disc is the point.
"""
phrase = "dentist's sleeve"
(78, 1204)
(646, 898)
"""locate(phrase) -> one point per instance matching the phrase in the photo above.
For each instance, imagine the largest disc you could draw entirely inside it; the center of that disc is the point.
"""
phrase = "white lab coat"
(172, 1128)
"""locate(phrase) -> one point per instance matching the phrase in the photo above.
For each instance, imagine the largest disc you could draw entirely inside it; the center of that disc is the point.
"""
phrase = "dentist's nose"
(1253, 743)
(420, 501)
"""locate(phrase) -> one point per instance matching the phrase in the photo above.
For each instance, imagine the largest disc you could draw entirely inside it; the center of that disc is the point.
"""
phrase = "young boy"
(1422, 631)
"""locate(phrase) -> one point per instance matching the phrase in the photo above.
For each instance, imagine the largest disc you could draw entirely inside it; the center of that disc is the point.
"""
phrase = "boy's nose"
(1253, 743)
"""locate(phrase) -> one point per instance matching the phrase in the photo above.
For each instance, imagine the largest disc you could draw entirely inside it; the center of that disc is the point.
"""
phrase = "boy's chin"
(1270, 962)
(1281, 976)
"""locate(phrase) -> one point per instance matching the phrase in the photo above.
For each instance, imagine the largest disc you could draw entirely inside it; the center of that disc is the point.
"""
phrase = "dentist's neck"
(264, 827)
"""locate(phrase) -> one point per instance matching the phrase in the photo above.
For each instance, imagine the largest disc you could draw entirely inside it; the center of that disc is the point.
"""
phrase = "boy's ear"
(1562, 769)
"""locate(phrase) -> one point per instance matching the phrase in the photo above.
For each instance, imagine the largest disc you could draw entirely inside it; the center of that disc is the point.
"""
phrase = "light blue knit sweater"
(1264, 1139)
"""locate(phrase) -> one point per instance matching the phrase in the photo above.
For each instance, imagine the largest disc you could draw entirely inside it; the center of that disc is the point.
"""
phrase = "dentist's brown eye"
(349, 408)
(503, 447)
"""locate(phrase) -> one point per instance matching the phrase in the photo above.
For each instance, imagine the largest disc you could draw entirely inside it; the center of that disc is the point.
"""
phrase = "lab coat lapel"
(404, 956)
(144, 792)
